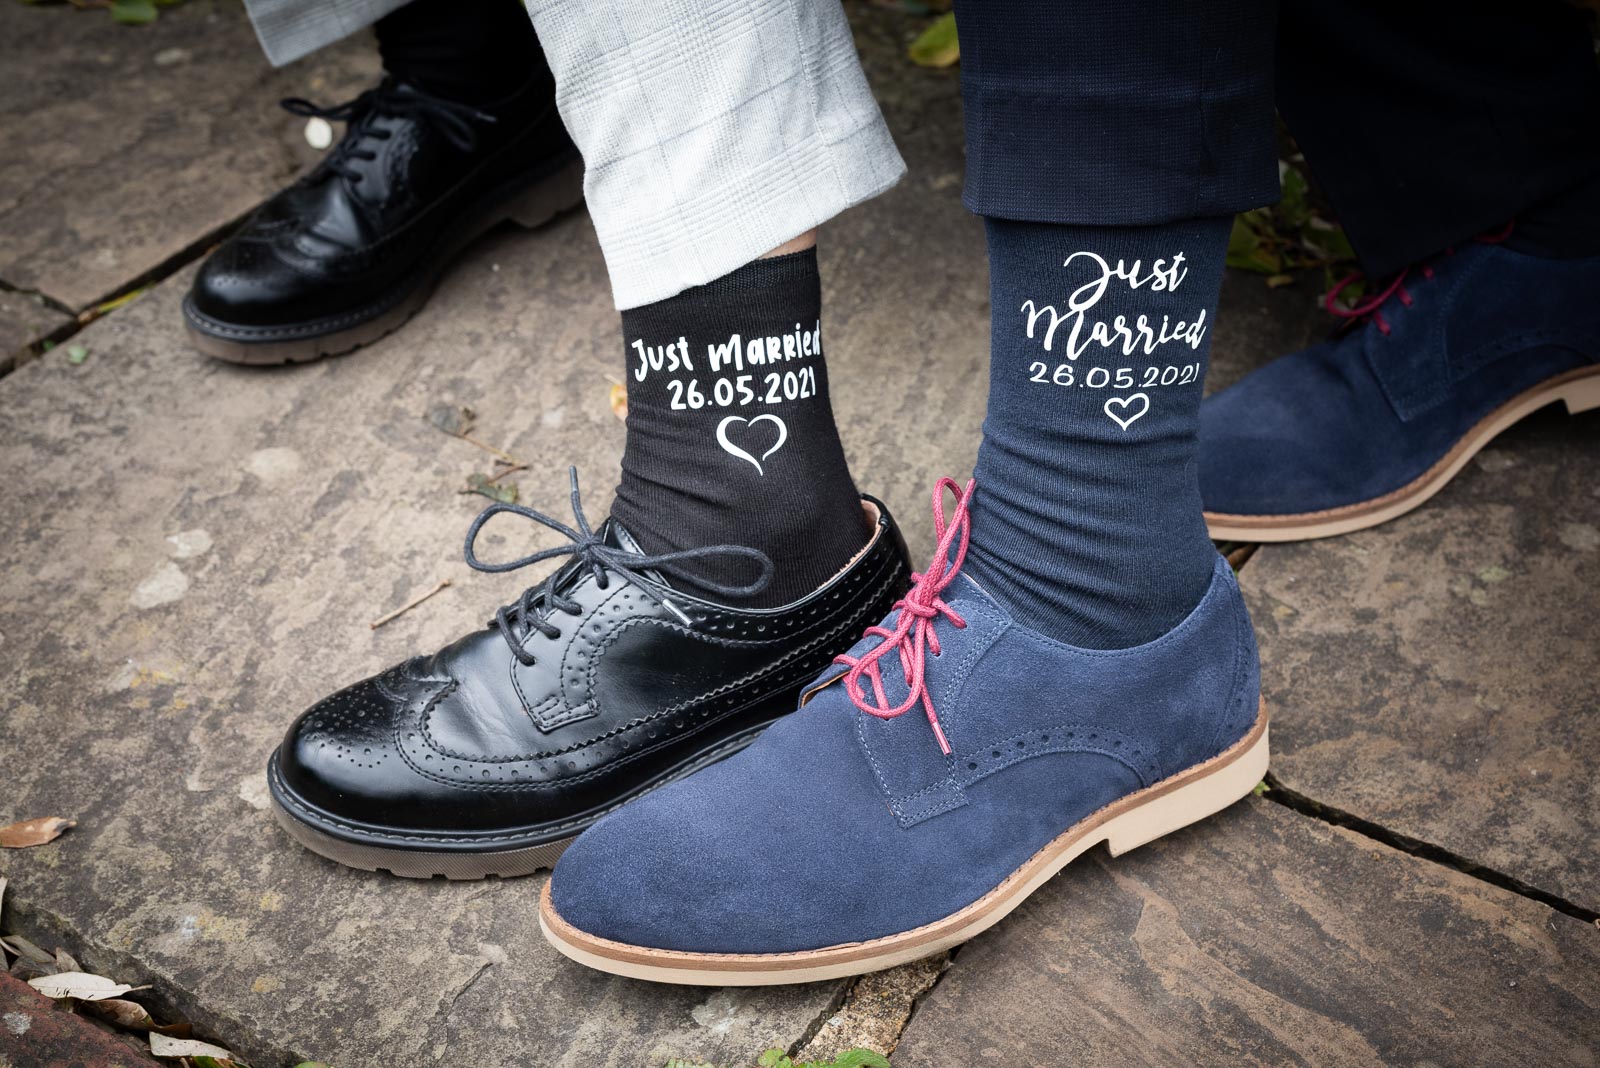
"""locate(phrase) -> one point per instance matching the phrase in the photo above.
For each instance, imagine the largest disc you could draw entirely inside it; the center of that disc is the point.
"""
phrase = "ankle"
(730, 434)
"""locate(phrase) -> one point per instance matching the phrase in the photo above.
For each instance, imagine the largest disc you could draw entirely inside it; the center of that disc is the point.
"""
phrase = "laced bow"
(913, 636)
(454, 121)
(532, 611)
(1396, 287)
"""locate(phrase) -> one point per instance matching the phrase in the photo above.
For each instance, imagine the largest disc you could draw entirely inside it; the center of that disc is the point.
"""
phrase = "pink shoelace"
(913, 635)
(1396, 288)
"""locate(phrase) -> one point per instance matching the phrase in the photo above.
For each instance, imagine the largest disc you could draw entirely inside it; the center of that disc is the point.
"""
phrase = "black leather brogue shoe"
(351, 250)
(612, 677)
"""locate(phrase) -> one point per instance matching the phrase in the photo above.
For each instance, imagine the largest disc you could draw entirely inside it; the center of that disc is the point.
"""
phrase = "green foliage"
(937, 45)
(134, 12)
(127, 12)
(850, 1058)
(1291, 235)
(76, 354)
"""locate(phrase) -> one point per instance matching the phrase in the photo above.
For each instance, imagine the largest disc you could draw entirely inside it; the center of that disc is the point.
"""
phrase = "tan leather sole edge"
(1174, 803)
(1579, 389)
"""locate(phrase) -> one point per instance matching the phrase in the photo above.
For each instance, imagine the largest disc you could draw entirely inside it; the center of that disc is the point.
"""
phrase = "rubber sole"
(416, 860)
(531, 208)
(1126, 824)
(1579, 390)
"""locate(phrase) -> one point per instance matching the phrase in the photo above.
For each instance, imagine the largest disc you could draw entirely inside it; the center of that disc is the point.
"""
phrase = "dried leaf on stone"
(166, 1046)
(2, 893)
(66, 963)
(937, 46)
(128, 1015)
(452, 419)
(81, 985)
(23, 949)
(485, 486)
(34, 832)
(619, 400)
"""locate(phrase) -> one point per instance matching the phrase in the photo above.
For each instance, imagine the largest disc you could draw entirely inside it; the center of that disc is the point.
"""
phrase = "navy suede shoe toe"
(951, 763)
(1363, 428)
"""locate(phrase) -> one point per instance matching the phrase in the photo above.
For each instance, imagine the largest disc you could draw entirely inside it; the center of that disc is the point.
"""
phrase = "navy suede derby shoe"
(854, 836)
(1365, 427)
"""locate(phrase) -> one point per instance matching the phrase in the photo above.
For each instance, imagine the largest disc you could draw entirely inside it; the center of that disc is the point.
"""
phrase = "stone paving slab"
(121, 146)
(192, 553)
(1264, 937)
(1437, 675)
(24, 318)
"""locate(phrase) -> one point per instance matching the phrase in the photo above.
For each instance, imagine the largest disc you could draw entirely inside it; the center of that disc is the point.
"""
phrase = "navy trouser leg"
(1117, 112)
(1432, 120)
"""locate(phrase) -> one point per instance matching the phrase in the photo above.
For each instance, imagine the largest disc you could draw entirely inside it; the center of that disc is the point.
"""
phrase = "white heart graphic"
(1124, 403)
(733, 450)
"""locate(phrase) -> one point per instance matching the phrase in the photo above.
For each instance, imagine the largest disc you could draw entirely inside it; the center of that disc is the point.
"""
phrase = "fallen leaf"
(937, 46)
(485, 486)
(2, 893)
(65, 963)
(452, 419)
(619, 400)
(26, 950)
(129, 1015)
(133, 12)
(76, 354)
(165, 1046)
(80, 985)
(34, 832)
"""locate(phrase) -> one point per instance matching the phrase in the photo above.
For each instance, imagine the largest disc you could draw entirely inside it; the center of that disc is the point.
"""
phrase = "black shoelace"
(454, 121)
(533, 609)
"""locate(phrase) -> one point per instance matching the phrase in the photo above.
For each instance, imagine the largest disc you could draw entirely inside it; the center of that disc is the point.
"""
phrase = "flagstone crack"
(1416, 847)
(468, 985)
(872, 1011)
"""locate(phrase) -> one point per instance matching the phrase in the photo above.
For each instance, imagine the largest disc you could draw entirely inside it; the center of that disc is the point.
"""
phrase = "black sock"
(731, 439)
(473, 51)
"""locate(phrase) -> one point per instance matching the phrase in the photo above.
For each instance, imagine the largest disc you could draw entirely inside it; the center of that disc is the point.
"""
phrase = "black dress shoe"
(611, 678)
(352, 250)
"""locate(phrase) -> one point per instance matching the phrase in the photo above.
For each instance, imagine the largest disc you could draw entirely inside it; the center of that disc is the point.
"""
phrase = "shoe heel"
(548, 198)
(1191, 802)
(1582, 394)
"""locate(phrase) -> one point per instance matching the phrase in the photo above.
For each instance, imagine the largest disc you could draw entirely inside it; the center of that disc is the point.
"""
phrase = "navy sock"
(1087, 522)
